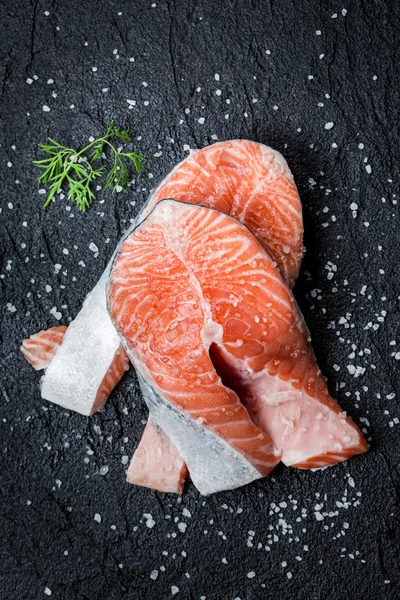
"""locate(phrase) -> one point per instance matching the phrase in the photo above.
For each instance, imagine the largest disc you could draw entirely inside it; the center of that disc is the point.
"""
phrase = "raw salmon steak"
(189, 285)
(252, 183)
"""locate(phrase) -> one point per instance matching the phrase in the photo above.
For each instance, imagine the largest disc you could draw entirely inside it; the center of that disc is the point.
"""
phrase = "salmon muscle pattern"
(252, 183)
(191, 283)
(40, 348)
(159, 308)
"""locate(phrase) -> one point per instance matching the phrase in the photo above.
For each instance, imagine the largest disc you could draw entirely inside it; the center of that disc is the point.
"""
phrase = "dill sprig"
(77, 171)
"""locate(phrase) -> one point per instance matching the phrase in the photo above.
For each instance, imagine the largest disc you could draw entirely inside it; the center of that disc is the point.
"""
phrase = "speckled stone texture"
(275, 72)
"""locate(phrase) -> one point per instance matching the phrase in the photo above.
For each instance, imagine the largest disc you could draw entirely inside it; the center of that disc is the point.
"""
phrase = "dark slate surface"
(286, 69)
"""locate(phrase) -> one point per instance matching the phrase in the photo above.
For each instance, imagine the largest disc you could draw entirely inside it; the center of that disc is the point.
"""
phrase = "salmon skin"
(89, 362)
(188, 279)
(40, 349)
(252, 183)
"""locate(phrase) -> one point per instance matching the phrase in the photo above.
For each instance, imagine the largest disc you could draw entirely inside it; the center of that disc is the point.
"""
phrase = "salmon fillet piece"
(156, 462)
(252, 183)
(189, 278)
(40, 348)
(158, 307)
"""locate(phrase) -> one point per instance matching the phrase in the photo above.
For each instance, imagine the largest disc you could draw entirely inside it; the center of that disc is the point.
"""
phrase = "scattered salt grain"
(46, 108)
(104, 470)
(97, 518)
(47, 591)
(56, 314)
(154, 575)
(329, 125)
(251, 574)
(149, 520)
(174, 590)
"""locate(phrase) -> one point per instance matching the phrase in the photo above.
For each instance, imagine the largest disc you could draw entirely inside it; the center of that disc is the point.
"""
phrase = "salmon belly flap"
(190, 280)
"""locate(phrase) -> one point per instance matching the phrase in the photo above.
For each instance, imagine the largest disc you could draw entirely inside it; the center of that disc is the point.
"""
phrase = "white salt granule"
(251, 574)
(149, 520)
(93, 247)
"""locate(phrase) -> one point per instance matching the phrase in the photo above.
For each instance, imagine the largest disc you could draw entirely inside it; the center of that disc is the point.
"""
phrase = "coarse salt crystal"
(251, 574)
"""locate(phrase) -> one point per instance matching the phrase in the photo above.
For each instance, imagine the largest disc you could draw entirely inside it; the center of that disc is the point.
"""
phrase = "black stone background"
(340, 539)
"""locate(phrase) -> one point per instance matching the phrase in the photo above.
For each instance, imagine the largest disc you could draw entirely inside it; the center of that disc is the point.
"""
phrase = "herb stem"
(66, 165)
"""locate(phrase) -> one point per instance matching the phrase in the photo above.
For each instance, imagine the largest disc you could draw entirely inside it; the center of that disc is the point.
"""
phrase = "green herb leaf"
(68, 167)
